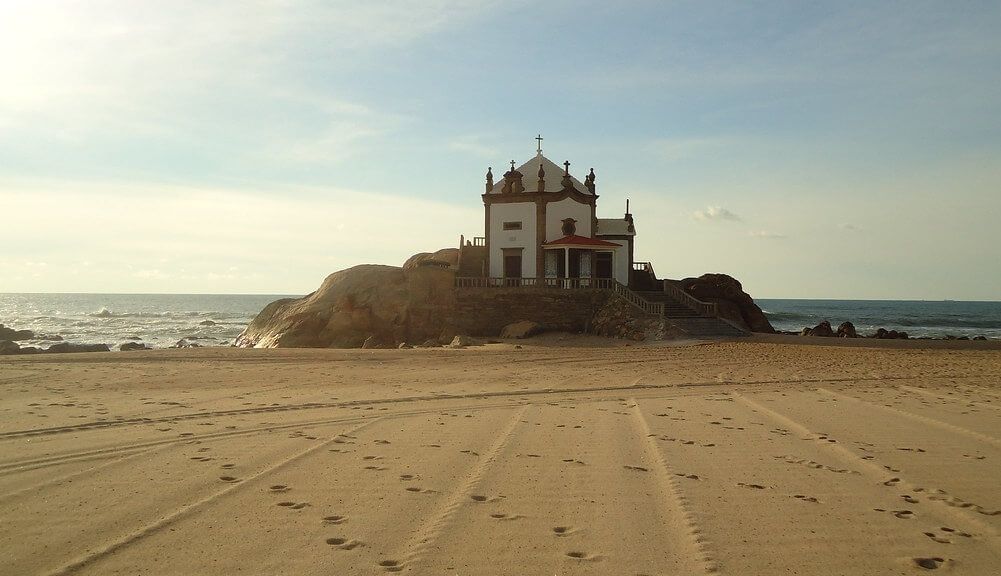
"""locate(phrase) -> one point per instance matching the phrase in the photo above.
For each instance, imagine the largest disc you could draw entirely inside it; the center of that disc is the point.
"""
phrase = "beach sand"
(565, 456)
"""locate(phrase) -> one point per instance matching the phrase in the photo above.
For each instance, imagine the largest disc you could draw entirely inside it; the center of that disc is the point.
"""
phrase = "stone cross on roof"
(539, 140)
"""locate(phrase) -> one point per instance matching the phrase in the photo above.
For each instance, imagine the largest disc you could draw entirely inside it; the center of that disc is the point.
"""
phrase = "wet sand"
(565, 456)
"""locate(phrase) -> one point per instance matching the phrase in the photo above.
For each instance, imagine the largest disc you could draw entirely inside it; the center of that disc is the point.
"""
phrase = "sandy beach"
(564, 456)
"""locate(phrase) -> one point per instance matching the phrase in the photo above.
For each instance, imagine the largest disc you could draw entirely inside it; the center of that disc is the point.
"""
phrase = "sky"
(809, 149)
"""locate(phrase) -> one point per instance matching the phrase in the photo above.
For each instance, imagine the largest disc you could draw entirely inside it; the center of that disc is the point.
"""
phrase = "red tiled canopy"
(574, 241)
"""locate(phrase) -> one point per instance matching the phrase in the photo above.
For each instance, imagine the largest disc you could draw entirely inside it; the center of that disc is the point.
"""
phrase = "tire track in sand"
(415, 549)
(188, 509)
(871, 469)
(917, 417)
(674, 502)
(956, 399)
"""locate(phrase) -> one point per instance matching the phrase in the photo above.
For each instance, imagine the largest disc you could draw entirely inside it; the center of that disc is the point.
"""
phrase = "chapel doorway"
(603, 264)
(512, 263)
(574, 263)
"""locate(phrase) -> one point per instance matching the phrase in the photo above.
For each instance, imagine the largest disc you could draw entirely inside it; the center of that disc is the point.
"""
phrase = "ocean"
(934, 319)
(161, 320)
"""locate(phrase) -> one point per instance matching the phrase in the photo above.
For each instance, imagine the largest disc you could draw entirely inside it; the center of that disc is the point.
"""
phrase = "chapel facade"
(541, 223)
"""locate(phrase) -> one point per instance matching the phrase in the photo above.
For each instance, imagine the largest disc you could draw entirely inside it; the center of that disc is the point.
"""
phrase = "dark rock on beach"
(884, 334)
(734, 304)
(7, 348)
(847, 330)
(822, 330)
(67, 347)
(130, 346)
(14, 335)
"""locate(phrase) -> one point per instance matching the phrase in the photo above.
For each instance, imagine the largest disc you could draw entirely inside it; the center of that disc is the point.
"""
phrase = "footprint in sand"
(229, 479)
(563, 530)
(391, 565)
(478, 498)
(891, 482)
(344, 543)
(583, 556)
(500, 516)
(277, 488)
(636, 468)
(806, 498)
(929, 563)
(936, 538)
(755, 486)
(228, 466)
(335, 519)
(375, 467)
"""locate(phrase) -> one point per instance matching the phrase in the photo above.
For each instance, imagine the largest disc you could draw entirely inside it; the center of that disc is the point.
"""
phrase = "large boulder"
(733, 303)
(884, 334)
(14, 335)
(387, 303)
(444, 258)
(521, 329)
(847, 330)
(822, 330)
(8, 348)
(64, 347)
(130, 346)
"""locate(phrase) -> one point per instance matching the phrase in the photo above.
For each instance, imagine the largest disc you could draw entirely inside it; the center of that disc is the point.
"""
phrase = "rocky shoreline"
(847, 330)
(9, 338)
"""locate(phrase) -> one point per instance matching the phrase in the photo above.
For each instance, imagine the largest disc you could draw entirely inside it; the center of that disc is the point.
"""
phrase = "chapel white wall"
(523, 212)
(567, 208)
(620, 262)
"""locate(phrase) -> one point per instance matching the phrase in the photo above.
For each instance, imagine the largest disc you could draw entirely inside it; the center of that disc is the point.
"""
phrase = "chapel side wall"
(620, 262)
(567, 208)
(523, 212)
(485, 311)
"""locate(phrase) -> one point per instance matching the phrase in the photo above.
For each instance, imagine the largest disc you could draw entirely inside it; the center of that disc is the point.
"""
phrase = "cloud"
(766, 235)
(716, 214)
(474, 145)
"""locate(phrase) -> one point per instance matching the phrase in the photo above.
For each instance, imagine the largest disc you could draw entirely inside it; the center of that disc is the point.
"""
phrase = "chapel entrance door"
(512, 264)
(603, 264)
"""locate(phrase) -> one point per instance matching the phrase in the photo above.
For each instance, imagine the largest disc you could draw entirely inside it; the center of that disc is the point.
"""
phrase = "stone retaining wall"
(485, 311)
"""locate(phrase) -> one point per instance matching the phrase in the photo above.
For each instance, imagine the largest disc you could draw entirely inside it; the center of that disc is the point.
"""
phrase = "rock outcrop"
(734, 304)
(521, 329)
(444, 258)
(884, 334)
(15, 335)
(8, 347)
(385, 303)
(847, 330)
(130, 346)
(69, 347)
(822, 330)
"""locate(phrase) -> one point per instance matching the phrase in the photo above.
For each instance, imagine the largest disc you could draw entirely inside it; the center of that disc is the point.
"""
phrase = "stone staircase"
(690, 321)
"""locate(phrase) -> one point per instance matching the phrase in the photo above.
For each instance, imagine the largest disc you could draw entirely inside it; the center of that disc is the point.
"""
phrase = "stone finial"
(490, 179)
(542, 179)
(589, 181)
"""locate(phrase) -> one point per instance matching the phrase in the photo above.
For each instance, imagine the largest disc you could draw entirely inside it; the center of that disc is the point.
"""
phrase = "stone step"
(706, 327)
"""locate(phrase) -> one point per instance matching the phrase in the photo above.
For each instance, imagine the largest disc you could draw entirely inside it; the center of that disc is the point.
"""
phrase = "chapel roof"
(554, 176)
(574, 241)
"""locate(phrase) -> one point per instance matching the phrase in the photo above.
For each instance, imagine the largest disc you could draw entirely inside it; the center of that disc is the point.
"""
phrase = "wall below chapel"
(484, 312)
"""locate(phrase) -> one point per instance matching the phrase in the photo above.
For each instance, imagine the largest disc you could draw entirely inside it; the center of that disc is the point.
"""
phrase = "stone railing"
(703, 308)
(655, 308)
(561, 283)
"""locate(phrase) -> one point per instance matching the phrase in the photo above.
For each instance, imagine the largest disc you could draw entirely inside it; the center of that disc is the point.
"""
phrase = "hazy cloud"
(764, 234)
(716, 214)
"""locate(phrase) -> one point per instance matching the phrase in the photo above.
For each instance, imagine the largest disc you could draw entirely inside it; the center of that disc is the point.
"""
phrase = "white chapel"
(541, 222)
